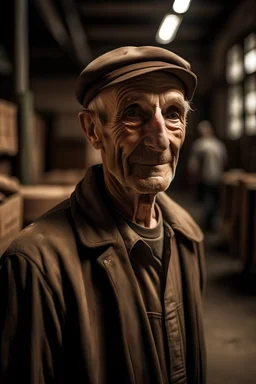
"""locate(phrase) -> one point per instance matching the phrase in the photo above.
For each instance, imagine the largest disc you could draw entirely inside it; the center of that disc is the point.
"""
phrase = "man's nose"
(156, 133)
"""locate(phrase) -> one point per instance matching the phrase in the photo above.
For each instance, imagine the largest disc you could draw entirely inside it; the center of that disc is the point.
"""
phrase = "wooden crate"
(38, 199)
(247, 246)
(230, 210)
(62, 176)
(11, 212)
(8, 128)
(39, 149)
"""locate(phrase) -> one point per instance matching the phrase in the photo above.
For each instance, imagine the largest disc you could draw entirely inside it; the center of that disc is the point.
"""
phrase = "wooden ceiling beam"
(76, 32)
(139, 33)
(111, 9)
(69, 41)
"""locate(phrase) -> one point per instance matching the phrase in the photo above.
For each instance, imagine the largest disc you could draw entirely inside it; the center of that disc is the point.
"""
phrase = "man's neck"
(137, 207)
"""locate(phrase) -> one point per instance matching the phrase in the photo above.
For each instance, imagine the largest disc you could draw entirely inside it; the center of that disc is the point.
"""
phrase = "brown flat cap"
(126, 62)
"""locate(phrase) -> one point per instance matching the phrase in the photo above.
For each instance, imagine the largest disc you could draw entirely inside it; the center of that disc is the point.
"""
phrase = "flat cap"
(127, 62)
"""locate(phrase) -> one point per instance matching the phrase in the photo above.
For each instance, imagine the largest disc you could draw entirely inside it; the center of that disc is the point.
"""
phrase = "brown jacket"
(70, 307)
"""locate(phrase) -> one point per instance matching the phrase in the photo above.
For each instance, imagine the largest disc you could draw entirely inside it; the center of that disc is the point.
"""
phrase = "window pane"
(250, 42)
(250, 94)
(235, 101)
(235, 65)
(250, 102)
(235, 128)
(250, 124)
(250, 61)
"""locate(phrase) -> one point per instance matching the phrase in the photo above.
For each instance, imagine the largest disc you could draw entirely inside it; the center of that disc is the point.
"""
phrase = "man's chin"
(150, 185)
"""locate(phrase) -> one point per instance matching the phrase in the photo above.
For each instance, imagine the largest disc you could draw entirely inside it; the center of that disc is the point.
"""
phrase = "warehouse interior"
(44, 45)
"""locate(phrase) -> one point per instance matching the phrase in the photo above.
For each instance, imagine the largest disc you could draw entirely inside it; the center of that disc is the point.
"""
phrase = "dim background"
(44, 44)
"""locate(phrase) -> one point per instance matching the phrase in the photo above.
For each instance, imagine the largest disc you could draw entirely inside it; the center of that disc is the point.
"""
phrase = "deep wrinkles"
(121, 96)
(151, 83)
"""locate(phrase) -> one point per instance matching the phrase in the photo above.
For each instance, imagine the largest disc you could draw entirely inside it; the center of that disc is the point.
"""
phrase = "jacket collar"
(94, 221)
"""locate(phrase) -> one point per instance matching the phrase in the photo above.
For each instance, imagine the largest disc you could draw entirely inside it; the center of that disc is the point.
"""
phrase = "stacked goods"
(38, 199)
(39, 149)
(247, 245)
(10, 211)
(5, 166)
(238, 213)
(230, 209)
(63, 176)
(8, 128)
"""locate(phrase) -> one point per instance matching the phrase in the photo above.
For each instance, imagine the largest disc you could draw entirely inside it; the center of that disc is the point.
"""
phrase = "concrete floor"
(230, 321)
(229, 312)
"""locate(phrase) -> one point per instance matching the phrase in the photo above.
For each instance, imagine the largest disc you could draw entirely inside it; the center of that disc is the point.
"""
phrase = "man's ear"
(89, 120)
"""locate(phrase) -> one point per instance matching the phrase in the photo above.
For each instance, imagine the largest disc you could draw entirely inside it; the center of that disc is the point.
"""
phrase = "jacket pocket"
(180, 311)
(176, 340)
(157, 327)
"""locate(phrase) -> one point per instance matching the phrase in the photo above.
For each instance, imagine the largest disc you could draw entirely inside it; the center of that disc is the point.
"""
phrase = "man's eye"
(173, 114)
(134, 111)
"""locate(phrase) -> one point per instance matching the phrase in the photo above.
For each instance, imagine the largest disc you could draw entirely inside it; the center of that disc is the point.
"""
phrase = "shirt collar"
(94, 220)
(129, 234)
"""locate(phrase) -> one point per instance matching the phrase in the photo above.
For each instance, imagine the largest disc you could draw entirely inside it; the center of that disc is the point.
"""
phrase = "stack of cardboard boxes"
(238, 215)
(40, 198)
(39, 148)
(8, 128)
(22, 204)
(11, 205)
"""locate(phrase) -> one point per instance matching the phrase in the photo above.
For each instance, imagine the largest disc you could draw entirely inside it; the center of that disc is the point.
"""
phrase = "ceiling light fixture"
(181, 6)
(168, 28)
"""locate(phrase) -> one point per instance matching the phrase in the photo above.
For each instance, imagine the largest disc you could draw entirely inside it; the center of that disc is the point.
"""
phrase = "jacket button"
(107, 261)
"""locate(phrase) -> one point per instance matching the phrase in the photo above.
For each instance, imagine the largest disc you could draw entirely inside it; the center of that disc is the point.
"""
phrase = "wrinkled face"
(144, 131)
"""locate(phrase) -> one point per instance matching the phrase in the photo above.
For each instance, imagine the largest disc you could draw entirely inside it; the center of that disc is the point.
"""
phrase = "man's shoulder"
(179, 218)
(49, 236)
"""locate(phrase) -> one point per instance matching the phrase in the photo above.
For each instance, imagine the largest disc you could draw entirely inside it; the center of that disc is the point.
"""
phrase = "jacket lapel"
(90, 207)
(140, 350)
(96, 228)
(190, 269)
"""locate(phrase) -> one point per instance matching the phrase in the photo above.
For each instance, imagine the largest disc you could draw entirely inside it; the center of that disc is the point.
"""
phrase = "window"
(235, 66)
(250, 105)
(241, 79)
(250, 53)
(235, 112)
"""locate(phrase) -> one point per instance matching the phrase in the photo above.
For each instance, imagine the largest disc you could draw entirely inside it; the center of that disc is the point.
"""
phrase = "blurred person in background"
(106, 288)
(207, 162)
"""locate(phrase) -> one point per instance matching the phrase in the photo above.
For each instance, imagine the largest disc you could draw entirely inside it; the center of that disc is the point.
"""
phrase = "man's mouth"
(153, 160)
(148, 170)
(147, 164)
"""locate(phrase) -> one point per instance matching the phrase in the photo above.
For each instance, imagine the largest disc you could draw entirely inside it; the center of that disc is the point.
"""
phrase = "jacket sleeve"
(201, 266)
(30, 324)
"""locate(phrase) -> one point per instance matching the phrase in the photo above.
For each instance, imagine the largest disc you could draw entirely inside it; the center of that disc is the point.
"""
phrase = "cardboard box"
(8, 128)
(63, 176)
(5, 166)
(39, 199)
(39, 149)
(248, 222)
(11, 212)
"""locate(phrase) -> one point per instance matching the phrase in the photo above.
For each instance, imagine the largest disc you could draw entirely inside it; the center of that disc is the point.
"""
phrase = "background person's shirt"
(208, 158)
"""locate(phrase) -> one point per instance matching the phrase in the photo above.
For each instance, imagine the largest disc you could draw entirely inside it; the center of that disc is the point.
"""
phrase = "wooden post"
(24, 96)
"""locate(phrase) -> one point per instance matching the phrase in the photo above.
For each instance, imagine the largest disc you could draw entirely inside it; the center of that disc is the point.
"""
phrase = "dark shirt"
(145, 247)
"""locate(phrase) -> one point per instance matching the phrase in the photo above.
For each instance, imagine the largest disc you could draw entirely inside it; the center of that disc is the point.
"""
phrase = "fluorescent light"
(181, 6)
(168, 29)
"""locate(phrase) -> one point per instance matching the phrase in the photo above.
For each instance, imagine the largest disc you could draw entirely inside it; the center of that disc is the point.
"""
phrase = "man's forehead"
(173, 95)
(152, 83)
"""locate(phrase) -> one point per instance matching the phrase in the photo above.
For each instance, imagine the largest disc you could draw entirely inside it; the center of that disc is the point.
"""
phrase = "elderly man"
(106, 287)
